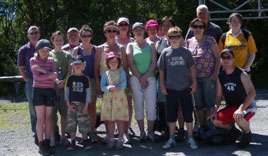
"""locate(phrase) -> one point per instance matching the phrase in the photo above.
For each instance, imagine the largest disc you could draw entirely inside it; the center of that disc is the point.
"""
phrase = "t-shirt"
(176, 64)
(142, 58)
(240, 46)
(42, 80)
(78, 85)
(202, 55)
(213, 30)
(61, 59)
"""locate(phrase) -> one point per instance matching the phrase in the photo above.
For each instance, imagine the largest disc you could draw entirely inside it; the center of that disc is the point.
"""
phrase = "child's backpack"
(214, 136)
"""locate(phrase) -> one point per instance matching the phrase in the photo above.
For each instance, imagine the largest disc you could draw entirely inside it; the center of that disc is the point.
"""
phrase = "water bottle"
(60, 74)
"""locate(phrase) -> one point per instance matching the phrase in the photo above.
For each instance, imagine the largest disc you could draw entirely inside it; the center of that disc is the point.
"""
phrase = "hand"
(112, 88)
(213, 76)
(38, 68)
(193, 87)
(238, 115)
(61, 83)
(85, 110)
(53, 76)
(72, 108)
(164, 90)
(143, 82)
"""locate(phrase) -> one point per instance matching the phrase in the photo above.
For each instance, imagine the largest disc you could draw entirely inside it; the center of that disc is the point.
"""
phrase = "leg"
(209, 92)
(40, 112)
(92, 113)
(48, 110)
(180, 117)
(199, 101)
(128, 123)
(120, 126)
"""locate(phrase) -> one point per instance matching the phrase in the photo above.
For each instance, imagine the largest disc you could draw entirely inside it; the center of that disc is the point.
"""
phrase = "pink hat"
(111, 55)
(151, 23)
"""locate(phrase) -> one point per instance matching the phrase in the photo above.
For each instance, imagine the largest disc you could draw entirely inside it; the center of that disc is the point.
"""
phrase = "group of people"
(169, 77)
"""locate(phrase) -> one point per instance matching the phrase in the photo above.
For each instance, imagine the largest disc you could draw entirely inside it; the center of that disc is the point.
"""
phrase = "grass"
(14, 116)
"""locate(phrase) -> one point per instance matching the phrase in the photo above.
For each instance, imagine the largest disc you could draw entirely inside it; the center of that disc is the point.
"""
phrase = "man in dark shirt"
(212, 30)
(236, 87)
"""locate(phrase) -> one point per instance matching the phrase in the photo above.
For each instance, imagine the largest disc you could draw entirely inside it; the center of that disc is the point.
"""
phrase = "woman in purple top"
(44, 75)
(205, 52)
(88, 51)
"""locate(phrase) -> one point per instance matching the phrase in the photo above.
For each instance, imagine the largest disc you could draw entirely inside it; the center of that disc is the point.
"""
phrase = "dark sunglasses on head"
(111, 31)
(34, 33)
(174, 37)
(86, 36)
(226, 57)
(123, 24)
(198, 26)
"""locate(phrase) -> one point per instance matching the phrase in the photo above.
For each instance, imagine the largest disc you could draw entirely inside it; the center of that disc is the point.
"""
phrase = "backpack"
(245, 32)
(214, 136)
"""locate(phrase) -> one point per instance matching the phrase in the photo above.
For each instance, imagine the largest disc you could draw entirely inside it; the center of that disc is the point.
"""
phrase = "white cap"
(123, 19)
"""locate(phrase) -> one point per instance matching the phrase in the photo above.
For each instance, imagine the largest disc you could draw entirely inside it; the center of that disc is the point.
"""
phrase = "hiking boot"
(234, 134)
(48, 148)
(245, 141)
(111, 144)
(180, 135)
(192, 143)
(169, 144)
(71, 146)
(42, 148)
(119, 144)
(151, 137)
(87, 144)
(142, 137)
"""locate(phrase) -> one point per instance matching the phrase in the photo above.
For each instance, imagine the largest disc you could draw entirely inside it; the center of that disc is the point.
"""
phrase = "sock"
(172, 137)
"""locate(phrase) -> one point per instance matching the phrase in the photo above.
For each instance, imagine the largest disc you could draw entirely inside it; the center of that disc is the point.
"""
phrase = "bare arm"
(162, 81)
(215, 51)
(193, 78)
(97, 68)
(125, 65)
(21, 70)
(249, 89)
(249, 62)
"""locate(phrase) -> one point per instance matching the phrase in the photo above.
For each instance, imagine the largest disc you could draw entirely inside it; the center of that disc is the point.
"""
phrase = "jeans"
(29, 94)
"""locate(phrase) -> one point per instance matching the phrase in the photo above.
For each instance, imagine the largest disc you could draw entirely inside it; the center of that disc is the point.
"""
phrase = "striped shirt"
(41, 80)
(25, 53)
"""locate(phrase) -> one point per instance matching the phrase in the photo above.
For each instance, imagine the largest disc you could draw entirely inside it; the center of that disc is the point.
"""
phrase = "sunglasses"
(86, 36)
(198, 26)
(226, 57)
(111, 31)
(174, 37)
(34, 33)
(123, 25)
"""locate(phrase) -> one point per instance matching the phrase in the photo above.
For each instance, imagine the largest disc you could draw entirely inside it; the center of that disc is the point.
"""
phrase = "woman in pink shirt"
(44, 75)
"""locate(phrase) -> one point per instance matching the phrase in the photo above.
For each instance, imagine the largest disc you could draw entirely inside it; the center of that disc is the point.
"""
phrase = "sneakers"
(151, 137)
(127, 138)
(192, 143)
(87, 144)
(119, 144)
(111, 144)
(245, 141)
(52, 142)
(71, 146)
(142, 137)
(169, 144)
(64, 140)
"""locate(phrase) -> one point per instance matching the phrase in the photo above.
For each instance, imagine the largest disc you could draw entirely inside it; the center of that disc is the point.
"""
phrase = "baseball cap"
(111, 55)
(72, 29)
(43, 43)
(78, 59)
(151, 23)
(137, 24)
(227, 51)
(123, 19)
(31, 28)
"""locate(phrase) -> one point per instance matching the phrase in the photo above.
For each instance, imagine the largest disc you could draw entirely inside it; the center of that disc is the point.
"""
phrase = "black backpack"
(245, 32)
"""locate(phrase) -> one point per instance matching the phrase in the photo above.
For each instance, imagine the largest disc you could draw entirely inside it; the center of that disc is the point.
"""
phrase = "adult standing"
(110, 30)
(123, 39)
(240, 41)
(142, 63)
(73, 39)
(25, 53)
(239, 92)
(205, 52)
(212, 30)
(151, 28)
(88, 52)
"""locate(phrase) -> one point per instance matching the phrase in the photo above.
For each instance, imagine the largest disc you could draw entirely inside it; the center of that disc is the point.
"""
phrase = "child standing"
(78, 97)
(115, 106)
(62, 60)
(44, 75)
(175, 65)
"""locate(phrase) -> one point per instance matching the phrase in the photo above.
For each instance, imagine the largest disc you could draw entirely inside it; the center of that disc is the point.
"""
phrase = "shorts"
(93, 88)
(225, 115)
(77, 118)
(43, 97)
(60, 103)
(174, 98)
(205, 93)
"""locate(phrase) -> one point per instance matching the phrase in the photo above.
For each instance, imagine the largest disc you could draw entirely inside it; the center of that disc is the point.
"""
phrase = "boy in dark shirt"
(77, 96)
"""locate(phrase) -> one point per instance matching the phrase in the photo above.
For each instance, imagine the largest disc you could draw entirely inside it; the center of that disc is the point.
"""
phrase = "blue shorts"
(43, 97)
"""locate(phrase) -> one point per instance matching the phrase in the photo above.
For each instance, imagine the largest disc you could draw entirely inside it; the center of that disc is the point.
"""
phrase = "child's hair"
(85, 28)
(197, 20)
(174, 30)
(55, 34)
(119, 62)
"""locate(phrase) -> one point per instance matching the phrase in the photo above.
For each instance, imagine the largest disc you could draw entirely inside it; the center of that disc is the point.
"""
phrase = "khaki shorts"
(60, 104)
